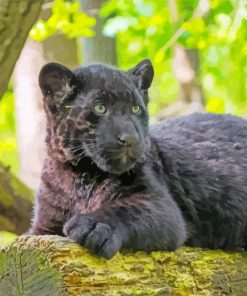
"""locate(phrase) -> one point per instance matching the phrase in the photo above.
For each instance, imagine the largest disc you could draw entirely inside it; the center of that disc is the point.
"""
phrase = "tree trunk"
(15, 203)
(186, 65)
(100, 48)
(29, 114)
(52, 265)
(186, 68)
(16, 20)
(186, 62)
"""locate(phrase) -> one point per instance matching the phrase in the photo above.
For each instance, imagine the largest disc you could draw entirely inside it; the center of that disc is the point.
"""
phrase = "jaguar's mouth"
(115, 161)
(122, 161)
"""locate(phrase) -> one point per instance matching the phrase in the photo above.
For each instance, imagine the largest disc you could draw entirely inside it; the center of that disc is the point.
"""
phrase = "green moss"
(185, 272)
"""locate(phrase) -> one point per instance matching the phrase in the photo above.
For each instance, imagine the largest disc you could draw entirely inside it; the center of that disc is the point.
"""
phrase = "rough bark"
(15, 203)
(16, 20)
(186, 67)
(52, 265)
(100, 48)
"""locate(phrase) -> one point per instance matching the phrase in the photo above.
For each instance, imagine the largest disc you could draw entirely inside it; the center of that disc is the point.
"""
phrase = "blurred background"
(198, 49)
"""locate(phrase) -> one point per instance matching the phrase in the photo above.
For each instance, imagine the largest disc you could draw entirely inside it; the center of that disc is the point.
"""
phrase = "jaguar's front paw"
(100, 238)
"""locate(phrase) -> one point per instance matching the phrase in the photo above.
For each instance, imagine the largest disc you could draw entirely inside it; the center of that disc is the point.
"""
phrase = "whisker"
(148, 155)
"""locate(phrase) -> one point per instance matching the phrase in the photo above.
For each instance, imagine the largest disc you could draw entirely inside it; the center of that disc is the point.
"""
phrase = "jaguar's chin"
(115, 166)
(122, 162)
(117, 161)
(120, 169)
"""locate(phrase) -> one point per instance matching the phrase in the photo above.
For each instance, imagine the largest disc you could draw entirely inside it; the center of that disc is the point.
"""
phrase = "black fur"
(110, 182)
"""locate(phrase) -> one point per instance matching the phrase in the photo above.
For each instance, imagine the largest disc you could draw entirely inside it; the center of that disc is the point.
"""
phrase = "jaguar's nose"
(127, 140)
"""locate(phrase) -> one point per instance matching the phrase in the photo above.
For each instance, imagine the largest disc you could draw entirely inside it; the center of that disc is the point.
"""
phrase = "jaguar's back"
(205, 164)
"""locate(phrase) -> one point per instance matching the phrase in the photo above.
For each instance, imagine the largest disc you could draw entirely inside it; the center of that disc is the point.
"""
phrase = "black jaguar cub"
(110, 181)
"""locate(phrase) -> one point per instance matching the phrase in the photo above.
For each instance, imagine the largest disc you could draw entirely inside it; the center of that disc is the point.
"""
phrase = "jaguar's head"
(97, 112)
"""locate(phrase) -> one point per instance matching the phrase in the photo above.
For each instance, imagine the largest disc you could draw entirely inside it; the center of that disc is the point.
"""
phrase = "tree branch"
(52, 265)
(16, 20)
(15, 203)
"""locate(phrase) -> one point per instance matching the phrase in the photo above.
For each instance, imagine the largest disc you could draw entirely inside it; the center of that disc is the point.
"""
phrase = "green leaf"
(216, 105)
(66, 19)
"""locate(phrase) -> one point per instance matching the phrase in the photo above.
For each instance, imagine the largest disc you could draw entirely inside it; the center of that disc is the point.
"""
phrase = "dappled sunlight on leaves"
(66, 19)
(8, 145)
(220, 36)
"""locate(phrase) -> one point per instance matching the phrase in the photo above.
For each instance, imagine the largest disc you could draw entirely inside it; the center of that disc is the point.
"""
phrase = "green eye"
(68, 106)
(100, 109)
(136, 109)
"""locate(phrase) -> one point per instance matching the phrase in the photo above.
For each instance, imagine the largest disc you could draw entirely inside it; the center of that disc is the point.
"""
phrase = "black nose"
(127, 140)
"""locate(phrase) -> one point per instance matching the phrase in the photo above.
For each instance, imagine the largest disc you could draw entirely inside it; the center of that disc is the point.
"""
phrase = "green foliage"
(6, 238)
(145, 28)
(66, 18)
(8, 146)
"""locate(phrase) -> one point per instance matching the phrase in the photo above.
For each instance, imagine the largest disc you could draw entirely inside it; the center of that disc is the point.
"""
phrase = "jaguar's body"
(111, 182)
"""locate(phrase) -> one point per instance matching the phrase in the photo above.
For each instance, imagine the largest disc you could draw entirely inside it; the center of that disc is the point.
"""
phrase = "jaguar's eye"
(100, 109)
(136, 109)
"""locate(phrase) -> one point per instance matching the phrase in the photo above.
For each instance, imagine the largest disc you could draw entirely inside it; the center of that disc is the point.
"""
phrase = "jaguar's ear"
(57, 83)
(142, 74)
